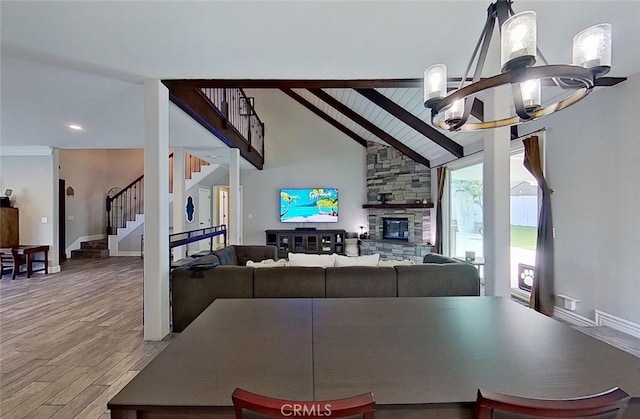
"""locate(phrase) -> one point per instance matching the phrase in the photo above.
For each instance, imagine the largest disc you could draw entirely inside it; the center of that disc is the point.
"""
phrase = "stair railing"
(124, 205)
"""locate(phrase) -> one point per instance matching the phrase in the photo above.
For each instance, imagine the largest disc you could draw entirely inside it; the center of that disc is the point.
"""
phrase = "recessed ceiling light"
(75, 127)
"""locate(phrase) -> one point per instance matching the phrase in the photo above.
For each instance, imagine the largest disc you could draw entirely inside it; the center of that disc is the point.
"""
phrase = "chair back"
(251, 405)
(610, 404)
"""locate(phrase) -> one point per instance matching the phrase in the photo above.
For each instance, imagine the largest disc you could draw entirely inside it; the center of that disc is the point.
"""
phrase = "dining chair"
(251, 405)
(610, 404)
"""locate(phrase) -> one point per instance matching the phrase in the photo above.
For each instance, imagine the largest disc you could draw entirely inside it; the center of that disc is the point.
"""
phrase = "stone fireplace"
(405, 187)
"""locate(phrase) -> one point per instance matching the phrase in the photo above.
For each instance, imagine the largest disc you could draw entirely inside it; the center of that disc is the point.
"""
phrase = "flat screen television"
(309, 205)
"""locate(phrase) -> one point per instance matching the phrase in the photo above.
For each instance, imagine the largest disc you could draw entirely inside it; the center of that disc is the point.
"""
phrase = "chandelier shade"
(519, 53)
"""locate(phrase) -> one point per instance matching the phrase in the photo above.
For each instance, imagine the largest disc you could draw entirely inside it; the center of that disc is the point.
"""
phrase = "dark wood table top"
(408, 351)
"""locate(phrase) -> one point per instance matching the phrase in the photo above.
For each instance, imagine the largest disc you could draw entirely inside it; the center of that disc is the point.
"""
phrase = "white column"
(179, 222)
(234, 197)
(156, 206)
(496, 205)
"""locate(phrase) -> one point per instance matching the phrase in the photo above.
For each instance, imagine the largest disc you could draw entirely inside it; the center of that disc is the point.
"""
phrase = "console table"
(306, 241)
(26, 255)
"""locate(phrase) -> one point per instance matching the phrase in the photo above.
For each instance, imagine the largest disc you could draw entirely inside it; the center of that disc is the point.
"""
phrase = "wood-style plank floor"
(70, 341)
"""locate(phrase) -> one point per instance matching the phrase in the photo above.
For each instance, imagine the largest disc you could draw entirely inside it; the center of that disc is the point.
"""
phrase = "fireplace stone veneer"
(403, 181)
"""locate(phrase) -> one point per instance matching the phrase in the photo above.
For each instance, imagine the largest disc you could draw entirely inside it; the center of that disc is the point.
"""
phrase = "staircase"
(126, 209)
(94, 249)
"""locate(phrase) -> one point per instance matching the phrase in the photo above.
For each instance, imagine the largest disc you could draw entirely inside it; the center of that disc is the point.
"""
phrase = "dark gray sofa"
(220, 275)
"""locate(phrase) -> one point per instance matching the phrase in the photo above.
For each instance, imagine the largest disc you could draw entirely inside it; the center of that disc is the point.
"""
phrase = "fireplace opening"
(395, 229)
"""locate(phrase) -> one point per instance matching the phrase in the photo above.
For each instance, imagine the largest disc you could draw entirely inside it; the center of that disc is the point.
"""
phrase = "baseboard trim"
(572, 317)
(128, 253)
(76, 244)
(615, 322)
(54, 269)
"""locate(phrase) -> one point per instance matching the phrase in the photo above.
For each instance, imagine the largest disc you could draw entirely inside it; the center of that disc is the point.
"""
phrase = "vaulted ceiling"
(65, 61)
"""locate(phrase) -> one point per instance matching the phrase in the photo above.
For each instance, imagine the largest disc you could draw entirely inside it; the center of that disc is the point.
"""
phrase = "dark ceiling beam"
(413, 121)
(304, 102)
(375, 130)
(328, 83)
(196, 105)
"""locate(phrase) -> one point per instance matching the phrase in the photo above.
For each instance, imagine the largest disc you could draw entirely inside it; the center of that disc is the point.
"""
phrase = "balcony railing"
(237, 109)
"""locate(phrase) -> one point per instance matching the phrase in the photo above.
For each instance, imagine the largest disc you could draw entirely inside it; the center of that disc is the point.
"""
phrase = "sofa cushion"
(191, 296)
(289, 282)
(227, 256)
(303, 259)
(367, 260)
(437, 280)
(360, 281)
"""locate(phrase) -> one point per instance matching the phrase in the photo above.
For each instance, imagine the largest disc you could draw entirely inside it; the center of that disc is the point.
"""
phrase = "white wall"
(33, 180)
(302, 150)
(592, 157)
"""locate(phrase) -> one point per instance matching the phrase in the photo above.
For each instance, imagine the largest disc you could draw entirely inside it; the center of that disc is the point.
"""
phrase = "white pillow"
(367, 260)
(267, 263)
(395, 262)
(303, 259)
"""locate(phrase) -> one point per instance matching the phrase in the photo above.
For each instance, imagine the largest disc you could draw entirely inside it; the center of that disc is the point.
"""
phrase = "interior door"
(204, 215)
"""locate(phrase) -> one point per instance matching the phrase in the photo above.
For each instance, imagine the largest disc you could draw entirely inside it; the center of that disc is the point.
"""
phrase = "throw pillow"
(367, 260)
(303, 259)
(267, 263)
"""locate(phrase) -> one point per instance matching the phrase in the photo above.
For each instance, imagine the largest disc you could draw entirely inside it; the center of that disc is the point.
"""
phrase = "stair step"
(90, 254)
(100, 244)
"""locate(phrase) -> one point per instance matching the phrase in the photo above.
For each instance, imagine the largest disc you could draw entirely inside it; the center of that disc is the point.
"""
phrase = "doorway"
(204, 215)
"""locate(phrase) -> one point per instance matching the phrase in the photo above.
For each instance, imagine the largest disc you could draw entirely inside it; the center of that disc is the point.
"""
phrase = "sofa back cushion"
(360, 281)
(256, 253)
(227, 256)
(192, 295)
(289, 282)
(367, 260)
(438, 280)
(305, 259)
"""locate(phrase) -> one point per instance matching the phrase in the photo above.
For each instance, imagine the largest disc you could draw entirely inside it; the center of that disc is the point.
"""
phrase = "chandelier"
(518, 51)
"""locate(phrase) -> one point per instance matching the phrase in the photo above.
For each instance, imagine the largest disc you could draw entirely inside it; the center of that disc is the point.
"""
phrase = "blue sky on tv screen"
(309, 205)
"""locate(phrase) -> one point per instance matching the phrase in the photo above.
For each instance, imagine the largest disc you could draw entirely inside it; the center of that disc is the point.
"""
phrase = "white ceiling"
(84, 62)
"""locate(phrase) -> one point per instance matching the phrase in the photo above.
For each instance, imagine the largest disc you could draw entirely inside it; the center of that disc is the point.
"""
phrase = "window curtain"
(542, 290)
(437, 246)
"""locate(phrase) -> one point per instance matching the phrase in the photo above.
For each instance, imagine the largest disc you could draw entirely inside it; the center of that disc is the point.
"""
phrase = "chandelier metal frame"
(576, 78)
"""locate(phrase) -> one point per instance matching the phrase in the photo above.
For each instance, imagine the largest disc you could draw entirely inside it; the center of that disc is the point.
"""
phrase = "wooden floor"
(70, 341)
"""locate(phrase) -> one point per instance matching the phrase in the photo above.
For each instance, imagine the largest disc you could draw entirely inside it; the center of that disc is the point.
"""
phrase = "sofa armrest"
(438, 280)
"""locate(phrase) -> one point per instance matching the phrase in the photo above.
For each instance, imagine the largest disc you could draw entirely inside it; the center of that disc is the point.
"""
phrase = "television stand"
(306, 241)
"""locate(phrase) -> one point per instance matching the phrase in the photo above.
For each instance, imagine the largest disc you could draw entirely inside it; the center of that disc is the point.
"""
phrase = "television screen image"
(309, 205)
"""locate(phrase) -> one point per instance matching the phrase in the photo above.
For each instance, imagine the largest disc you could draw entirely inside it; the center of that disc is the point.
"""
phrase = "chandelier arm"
(483, 44)
(514, 120)
(580, 79)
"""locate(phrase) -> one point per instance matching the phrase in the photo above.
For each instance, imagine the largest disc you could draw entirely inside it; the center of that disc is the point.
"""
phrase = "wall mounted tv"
(309, 205)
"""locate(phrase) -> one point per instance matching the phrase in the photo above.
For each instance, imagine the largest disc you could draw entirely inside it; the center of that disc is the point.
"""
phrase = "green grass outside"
(524, 237)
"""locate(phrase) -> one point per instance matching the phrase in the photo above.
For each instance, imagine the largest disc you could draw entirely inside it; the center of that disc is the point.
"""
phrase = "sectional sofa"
(224, 274)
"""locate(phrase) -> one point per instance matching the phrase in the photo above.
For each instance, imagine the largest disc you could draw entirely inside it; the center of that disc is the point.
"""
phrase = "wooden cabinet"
(306, 241)
(9, 227)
